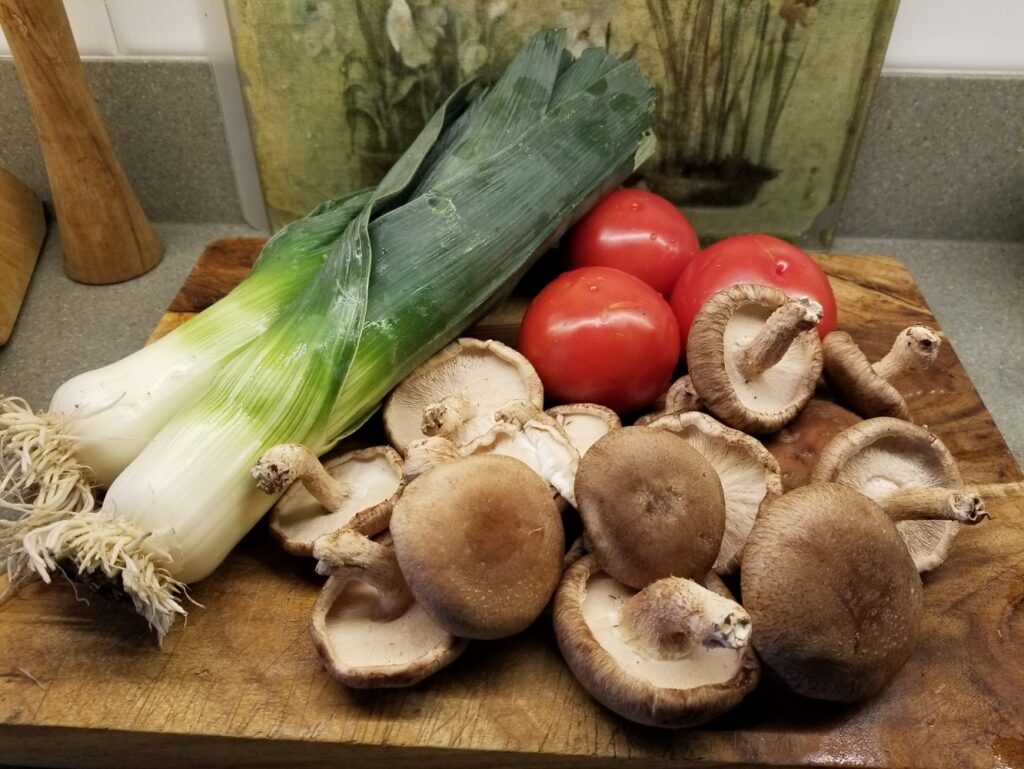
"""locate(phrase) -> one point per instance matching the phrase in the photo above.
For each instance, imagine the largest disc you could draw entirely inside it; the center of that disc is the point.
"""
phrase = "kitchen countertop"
(976, 290)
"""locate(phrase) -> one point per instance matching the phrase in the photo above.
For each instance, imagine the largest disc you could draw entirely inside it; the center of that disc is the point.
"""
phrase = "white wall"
(958, 35)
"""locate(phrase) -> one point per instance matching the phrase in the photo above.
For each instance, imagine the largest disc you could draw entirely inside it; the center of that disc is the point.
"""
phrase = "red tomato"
(751, 259)
(637, 232)
(600, 335)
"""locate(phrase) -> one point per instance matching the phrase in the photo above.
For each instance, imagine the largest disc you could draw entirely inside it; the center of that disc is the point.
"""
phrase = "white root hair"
(98, 543)
(41, 483)
(48, 521)
(39, 472)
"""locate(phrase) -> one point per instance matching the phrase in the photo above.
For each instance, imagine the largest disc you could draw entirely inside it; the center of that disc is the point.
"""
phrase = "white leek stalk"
(100, 420)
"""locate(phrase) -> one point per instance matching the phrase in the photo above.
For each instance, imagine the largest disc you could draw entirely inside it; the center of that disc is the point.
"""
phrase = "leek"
(485, 188)
(100, 420)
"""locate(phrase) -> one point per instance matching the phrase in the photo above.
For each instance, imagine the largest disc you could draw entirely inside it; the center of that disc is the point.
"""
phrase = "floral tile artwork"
(760, 102)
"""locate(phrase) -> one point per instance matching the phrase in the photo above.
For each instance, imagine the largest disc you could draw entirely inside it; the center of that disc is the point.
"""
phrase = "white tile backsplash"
(157, 27)
(956, 35)
(947, 35)
(134, 28)
(89, 24)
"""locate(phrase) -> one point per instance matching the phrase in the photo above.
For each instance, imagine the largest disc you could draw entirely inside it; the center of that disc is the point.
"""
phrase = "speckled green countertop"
(975, 289)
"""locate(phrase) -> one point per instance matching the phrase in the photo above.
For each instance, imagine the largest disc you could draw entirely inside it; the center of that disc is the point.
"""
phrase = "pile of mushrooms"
(457, 530)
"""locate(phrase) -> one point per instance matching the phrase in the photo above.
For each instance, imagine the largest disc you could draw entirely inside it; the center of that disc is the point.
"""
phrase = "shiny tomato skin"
(751, 259)
(637, 232)
(600, 335)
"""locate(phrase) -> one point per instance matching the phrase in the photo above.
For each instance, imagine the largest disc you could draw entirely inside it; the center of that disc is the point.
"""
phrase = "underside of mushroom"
(357, 489)
(454, 394)
(748, 472)
(674, 654)
(584, 423)
(536, 439)
(754, 356)
(366, 626)
(881, 456)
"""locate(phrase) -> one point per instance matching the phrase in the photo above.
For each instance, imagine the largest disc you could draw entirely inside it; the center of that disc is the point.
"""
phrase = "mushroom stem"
(281, 465)
(346, 555)
(427, 453)
(778, 333)
(671, 616)
(519, 413)
(445, 417)
(681, 396)
(935, 503)
(915, 348)
(576, 551)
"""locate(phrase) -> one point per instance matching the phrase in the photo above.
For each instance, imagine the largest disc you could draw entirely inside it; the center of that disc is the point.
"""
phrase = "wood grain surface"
(22, 230)
(104, 233)
(240, 684)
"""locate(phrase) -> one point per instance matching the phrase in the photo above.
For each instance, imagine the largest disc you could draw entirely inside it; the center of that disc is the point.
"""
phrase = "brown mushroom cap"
(480, 542)
(651, 505)
(584, 423)
(748, 473)
(833, 594)
(364, 625)
(798, 445)
(878, 456)
(849, 373)
(671, 690)
(478, 377)
(373, 478)
(721, 331)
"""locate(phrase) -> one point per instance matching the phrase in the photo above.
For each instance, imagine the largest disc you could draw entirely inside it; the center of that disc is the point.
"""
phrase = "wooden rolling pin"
(104, 233)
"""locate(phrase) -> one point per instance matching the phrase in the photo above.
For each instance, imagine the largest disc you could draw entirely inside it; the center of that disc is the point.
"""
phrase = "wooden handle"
(104, 232)
(22, 229)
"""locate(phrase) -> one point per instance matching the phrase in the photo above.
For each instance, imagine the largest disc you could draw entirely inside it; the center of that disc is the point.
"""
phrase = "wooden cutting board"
(22, 230)
(240, 684)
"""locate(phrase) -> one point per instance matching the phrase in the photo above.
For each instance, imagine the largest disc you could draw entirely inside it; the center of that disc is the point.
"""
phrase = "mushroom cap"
(651, 505)
(748, 473)
(488, 374)
(584, 423)
(878, 456)
(725, 325)
(798, 445)
(375, 477)
(665, 693)
(851, 376)
(833, 595)
(480, 542)
(366, 652)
